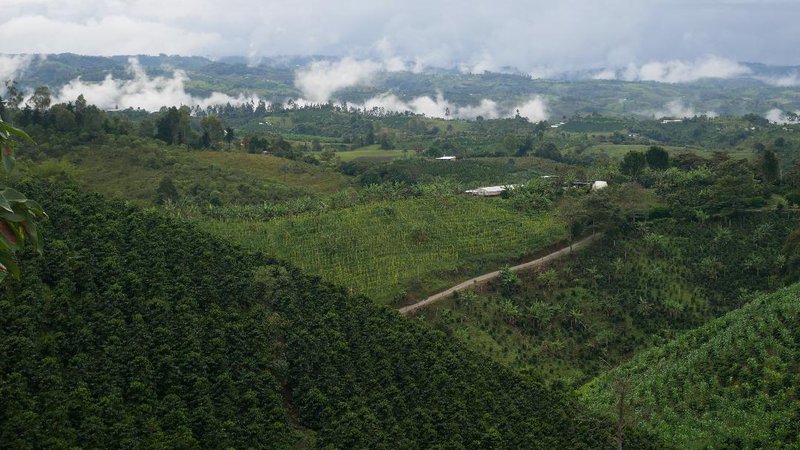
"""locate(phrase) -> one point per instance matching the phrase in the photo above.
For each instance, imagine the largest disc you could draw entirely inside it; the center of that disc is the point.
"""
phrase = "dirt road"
(489, 276)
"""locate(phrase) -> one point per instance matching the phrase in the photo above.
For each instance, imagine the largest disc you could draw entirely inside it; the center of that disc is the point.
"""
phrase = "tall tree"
(549, 151)
(770, 166)
(657, 158)
(633, 163)
(40, 100)
(214, 127)
(173, 126)
(229, 136)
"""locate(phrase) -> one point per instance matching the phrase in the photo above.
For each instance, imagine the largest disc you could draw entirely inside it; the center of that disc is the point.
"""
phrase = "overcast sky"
(531, 35)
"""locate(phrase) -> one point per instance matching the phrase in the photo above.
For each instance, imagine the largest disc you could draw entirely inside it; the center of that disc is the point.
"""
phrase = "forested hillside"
(729, 384)
(135, 330)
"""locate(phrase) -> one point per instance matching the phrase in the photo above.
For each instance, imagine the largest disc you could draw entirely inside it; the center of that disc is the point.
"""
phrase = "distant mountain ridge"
(759, 89)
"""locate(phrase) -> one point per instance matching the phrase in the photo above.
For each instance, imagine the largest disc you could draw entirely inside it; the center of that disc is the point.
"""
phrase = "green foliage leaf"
(8, 162)
(7, 130)
(12, 195)
(4, 203)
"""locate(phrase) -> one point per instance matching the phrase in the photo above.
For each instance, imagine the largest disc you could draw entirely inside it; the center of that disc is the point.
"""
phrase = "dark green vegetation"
(470, 172)
(729, 384)
(628, 292)
(134, 330)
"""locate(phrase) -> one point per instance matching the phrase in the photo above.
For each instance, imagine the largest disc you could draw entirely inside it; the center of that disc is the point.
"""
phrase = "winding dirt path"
(489, 276)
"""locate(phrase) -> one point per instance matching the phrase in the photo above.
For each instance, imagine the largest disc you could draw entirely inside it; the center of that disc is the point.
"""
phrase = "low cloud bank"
(11, 67)
(318, 82)
(143, 91)
(788, 80)
(321, 79)
(678, 109)
(534, 109)
(781, 117)
(677, 71)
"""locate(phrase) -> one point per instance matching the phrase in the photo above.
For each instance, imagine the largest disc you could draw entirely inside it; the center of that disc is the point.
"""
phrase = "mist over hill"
(707, 86)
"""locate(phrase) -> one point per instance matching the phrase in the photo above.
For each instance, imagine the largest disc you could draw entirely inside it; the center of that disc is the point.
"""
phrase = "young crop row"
(730, 383)
(385, 248)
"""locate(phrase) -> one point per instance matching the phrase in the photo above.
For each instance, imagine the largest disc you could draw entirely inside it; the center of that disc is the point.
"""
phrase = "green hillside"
(133, 331)
(638, 288)
(134, 169)
(732, 383)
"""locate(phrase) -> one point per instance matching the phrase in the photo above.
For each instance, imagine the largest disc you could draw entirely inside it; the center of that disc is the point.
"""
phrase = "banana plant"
(18, 213)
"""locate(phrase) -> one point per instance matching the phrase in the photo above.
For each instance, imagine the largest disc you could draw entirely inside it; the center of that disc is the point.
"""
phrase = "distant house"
(599, 184)
(490, 191)
(672, 121)
(446, 158)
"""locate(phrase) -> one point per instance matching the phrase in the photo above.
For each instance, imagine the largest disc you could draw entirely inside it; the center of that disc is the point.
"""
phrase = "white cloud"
(534, 109)
(108, 35)
(526, 34)
(677, 71)
(780, 117)
(322, 79)
(11, 66)
(605, 74)
(678, 109)
(142, 92)
(431, 107)
(487, 109)
(479, 65)
(788, 80)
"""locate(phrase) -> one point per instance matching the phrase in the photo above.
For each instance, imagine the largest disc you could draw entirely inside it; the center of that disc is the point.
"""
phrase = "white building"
(490, 191)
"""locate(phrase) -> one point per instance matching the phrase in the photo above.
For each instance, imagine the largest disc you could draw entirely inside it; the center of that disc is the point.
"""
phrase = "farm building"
(489, 191)
(599, 184)
(446, 158)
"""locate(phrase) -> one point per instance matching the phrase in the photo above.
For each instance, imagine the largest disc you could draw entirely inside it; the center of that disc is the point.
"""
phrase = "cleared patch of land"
(372, 152)
(391, 249)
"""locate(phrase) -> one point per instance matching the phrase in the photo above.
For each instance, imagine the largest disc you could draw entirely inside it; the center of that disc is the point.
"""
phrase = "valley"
(282, 273)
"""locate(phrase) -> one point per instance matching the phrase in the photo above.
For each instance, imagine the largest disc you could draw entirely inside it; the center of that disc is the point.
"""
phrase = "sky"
(535, 36)
(668, 41)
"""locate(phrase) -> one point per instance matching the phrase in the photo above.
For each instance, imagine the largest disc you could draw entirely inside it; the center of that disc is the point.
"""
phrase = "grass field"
(291, 173)
(617, 151)
(415, 246)
(373, 152)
